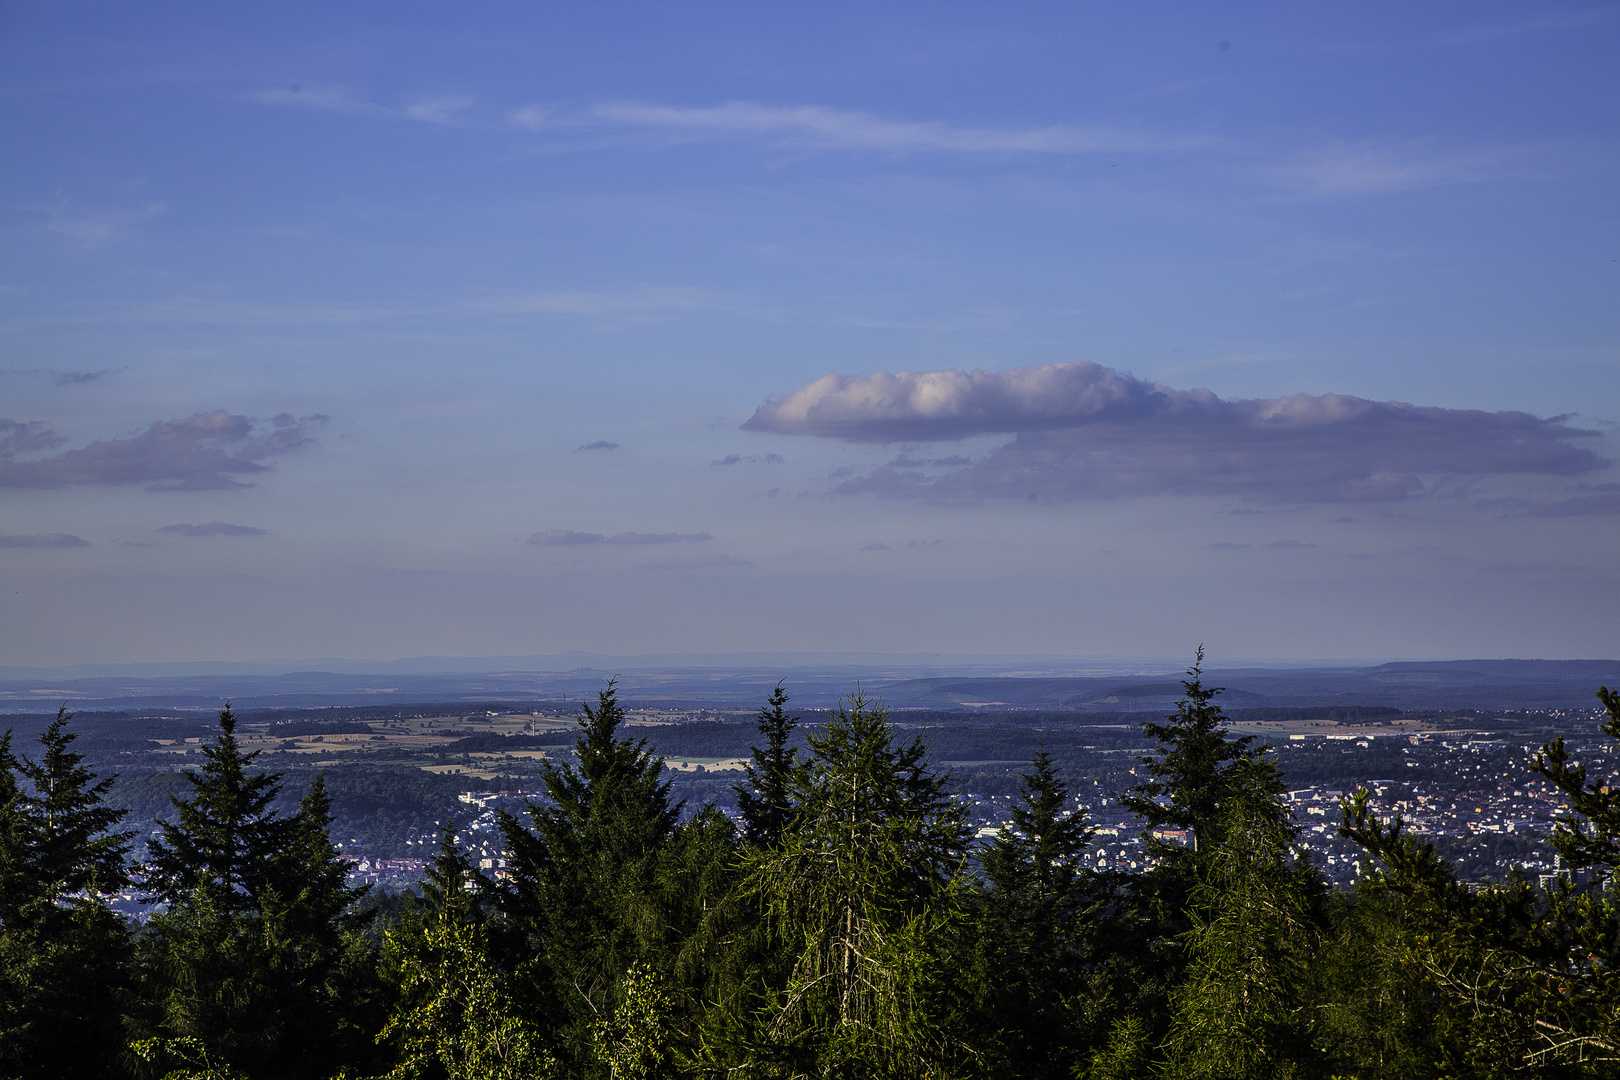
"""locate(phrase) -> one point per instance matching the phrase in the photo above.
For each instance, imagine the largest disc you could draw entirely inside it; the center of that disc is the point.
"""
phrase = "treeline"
(847, 928)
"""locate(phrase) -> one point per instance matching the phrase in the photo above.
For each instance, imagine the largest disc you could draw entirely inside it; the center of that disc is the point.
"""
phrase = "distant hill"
(902, 683)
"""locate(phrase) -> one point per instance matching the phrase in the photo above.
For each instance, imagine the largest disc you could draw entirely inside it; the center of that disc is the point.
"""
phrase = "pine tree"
(226, 837)
(1247, 1005)
(62, 950)
(454, 1014)
(764, 796)
(1036, 920)
(75, 855)
(308, 877)
(859, 897)
(1188, 769)
(583, 893)
(1191, 773)
(255, 963)
(449, 883)
(1037, 855)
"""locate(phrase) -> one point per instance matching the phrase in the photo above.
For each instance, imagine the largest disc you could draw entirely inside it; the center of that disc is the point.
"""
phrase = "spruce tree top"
(764, 795)
(1188, 766)
(74, 851)
(225, 836)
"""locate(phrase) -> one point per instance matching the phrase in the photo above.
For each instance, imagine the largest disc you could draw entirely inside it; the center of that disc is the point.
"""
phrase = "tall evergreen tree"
(764, 796)
(1036, 857)
(583, 891)
(1036, 920)
(75, 854)
(454, 1015)
(62, 950)
(252, 963)
(1191, 774)
(859, 898)
(1188, 769)
(1248, 1004)
(227, 837)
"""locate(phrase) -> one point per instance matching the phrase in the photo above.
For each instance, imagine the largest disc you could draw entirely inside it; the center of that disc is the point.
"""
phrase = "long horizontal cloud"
(213, 528)
(1086, 431)
(557, 537)
(43, 540)
(1328, 170)
(198, 453)
(803, 125)
(821, 126)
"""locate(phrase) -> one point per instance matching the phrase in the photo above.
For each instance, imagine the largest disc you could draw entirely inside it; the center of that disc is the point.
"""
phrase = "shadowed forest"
(844, 926)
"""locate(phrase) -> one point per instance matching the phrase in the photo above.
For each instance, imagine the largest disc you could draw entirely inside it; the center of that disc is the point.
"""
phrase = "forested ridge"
(845, 927)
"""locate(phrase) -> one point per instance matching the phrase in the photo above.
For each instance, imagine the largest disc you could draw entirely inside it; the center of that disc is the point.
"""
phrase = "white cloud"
(1333, 170)
(1085, 431)
(863, 131)
(929, 405)
(819, 126)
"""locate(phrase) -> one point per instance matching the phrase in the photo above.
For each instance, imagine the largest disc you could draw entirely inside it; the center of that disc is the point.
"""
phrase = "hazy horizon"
(821, 664)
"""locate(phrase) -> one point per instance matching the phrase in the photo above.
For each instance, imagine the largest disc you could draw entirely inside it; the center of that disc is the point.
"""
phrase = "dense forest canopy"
(843, 924)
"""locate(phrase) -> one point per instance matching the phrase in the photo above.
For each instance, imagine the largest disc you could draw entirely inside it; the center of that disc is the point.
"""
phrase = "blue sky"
(407, 329)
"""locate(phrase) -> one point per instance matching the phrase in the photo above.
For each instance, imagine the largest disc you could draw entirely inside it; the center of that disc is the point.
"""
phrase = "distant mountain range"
(815, 680)
(1448, 684)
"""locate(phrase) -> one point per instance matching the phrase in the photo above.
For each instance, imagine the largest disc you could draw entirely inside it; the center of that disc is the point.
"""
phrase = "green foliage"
(1246, 1005)
(1035, 859)
(226, 836)
(62, 952)
(862, 889)
(1127, 1055)
(1188, 770)
(73, 854)
(846, 933)
(257, 958)
(454, 1014)
(764, 797)
(589, 892)
(181, 1059)
(1381, 1016)
(1522, 978)
(634, 1041)
(1038, 917)
(1193, 772)
(458, 1017)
